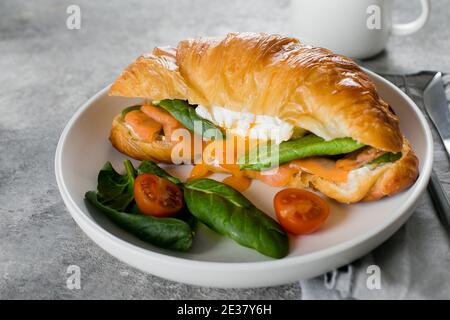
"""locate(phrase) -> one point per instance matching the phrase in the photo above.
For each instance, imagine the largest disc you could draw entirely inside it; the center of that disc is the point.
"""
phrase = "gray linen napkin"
(415, 262)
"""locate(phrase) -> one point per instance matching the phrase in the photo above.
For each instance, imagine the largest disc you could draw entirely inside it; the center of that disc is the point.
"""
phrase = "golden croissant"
(248, 82)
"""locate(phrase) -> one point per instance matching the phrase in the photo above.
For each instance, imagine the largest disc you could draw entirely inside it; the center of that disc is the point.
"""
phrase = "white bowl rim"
(76, 212)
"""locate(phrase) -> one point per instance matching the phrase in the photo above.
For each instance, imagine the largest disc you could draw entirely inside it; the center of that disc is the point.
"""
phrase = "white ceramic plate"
(351, 231)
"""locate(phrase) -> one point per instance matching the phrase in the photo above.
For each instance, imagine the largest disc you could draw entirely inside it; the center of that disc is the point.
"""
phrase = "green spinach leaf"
(387, 157)
(226, 211)
(148, 166)
(167, 233)
(115, 190)
(186, 114)
(265, 157)
(220, 189)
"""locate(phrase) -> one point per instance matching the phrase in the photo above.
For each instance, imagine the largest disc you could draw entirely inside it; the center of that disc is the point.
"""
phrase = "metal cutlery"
(436, 106)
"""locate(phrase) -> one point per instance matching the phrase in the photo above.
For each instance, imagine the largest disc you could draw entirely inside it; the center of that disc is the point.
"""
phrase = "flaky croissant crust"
(310, 87)
(126, 142)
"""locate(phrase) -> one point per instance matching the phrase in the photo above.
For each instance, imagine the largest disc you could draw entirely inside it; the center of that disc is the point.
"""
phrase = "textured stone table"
(48, 71)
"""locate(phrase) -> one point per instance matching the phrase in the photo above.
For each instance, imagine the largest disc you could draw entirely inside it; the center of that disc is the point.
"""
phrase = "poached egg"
(247, 124)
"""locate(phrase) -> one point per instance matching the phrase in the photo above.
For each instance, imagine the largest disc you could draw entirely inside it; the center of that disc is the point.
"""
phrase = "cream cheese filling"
(247, 124)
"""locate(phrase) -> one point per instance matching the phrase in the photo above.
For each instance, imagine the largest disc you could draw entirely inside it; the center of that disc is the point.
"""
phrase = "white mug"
(355, 28)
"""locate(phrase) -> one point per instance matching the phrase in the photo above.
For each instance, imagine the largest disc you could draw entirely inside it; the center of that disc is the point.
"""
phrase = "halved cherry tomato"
(156, 196)
(300, 211)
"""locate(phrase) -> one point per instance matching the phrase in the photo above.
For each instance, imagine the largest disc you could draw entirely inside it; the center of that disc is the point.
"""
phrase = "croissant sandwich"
(320, 114)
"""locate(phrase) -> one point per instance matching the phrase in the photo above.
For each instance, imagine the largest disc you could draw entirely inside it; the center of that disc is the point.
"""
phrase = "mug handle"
(413, 26)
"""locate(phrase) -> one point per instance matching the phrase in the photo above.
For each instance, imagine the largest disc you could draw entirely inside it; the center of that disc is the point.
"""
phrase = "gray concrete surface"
(48, 71)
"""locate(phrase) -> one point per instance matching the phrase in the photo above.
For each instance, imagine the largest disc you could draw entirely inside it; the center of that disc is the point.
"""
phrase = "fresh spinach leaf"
(226, 211)
(115, 190)
(265, 157)
(220, 189)
(387, 157)
(147, 166)
(185, 215)
(186, 114)
(134, 209)
(115, 198)
(167, 233)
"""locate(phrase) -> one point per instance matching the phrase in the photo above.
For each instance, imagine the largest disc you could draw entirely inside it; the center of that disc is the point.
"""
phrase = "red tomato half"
(156, 196)
(300, 211)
